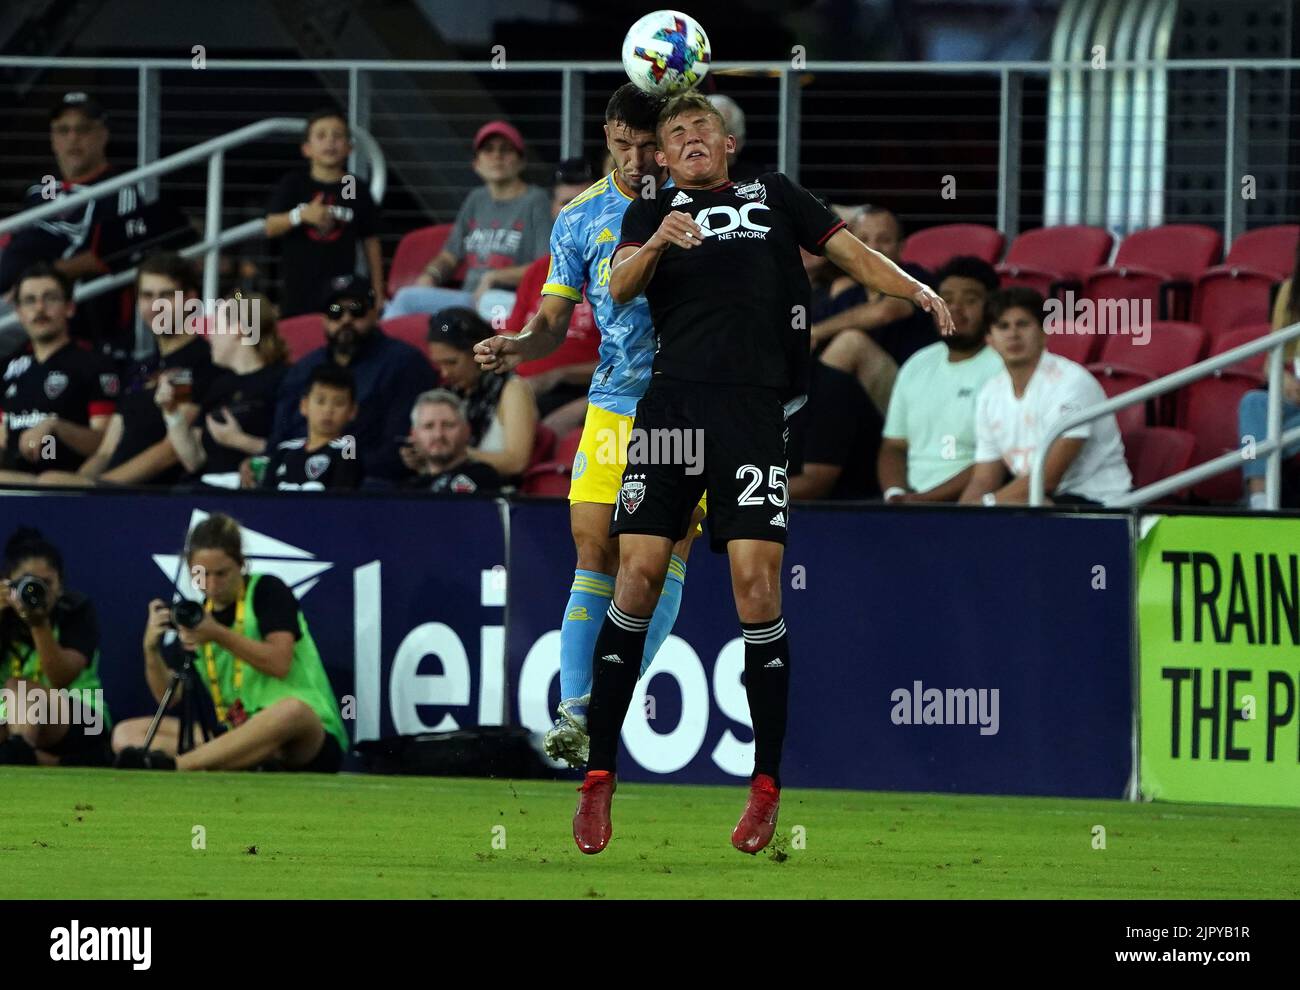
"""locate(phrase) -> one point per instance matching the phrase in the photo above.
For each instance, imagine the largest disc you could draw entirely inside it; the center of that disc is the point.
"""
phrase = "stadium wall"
(1019, 621)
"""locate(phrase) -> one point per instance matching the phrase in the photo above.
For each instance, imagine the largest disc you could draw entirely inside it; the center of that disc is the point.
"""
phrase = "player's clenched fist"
(933, 303)
(678, 228)
(497, 354)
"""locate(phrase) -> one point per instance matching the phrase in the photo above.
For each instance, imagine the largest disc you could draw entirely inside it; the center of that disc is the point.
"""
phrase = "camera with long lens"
(33, 593)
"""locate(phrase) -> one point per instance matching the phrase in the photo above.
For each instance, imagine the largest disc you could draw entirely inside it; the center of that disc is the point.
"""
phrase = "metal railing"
(214, 152)
(1272, 446)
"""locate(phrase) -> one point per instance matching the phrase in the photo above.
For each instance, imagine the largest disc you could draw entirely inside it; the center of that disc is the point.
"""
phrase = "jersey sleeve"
(275, 607)
(640, 221)
(986, 448)
(1076, 396)
(814, 225)
(567, 275)
(896, 414)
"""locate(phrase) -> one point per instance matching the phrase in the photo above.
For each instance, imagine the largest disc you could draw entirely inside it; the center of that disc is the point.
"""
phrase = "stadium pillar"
(148, 141)
(787, 147)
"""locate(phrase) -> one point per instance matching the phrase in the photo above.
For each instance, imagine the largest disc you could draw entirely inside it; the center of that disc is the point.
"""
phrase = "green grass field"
(95, 834)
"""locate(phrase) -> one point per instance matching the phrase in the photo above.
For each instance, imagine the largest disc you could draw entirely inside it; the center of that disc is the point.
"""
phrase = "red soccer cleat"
(591, 827)
(758, 823)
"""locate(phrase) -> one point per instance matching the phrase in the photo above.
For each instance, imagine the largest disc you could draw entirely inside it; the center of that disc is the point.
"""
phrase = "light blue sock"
(589, 600)
(670, 601)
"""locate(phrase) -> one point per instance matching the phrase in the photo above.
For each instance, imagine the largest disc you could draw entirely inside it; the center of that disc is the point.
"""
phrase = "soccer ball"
(666, 52)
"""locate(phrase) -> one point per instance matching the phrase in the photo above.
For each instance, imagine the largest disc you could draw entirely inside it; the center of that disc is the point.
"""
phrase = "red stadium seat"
(411, 329)
(1268, 249)
(1038, 258)
(936, 246)
(303, 333)
(543, 445)
(1156, 452)
(1210, 414)
(1113, 382)
(1257, 365)
(1126, 363)
(414, 252)
(1228, 297)
(1151, 264)
(1077, 347)
(551, 477)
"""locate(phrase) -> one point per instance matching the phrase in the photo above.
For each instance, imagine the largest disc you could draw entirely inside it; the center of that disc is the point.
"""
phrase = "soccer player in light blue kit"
(582, 243)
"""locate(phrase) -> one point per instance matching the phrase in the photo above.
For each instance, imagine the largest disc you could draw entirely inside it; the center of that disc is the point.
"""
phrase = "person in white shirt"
(1019, 406)
(927, 450)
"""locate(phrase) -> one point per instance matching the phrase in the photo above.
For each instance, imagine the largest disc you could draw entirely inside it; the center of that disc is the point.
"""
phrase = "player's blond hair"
(685, 103)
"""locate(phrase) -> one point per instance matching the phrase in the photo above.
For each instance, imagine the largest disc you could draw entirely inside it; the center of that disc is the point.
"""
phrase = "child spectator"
(324, 459)
(323, 214)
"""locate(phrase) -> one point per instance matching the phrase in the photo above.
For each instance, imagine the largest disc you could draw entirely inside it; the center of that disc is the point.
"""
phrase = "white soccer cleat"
(567, 739)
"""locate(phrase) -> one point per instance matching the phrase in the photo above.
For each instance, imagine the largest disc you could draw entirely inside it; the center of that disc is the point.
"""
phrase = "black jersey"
(73, 383)
(466, 478)
(734, 310)
(294, 468)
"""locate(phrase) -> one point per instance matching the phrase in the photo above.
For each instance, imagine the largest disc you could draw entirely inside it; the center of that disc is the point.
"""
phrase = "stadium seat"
(411, 329)
(1160, 264)
(414, 251)
(1268, 249)
(1040, 258)
(303, 333)
(936, 246)
(1228, 297)
(1257, 365)
(1080, 348)
(551, 477)
(1210, 415)
(1126, 363)
(1156, 452)
(543, 445)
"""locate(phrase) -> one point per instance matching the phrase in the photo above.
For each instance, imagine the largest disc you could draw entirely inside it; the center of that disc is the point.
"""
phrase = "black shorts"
(727, 439)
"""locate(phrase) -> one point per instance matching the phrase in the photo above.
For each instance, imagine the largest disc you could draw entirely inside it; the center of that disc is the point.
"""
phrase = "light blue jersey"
(582, 248)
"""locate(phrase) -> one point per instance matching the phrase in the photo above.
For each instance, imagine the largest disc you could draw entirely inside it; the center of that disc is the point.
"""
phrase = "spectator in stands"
(94, 238)
(440, 435)
(388, 374)
(323, 459)
(559, 380)
(1252, 412)
(323, 214)
(734, 119)
(928, 448)
(838, 435)
(49, 647)
(502, 227)
(1019, 405)
(265, 688)
(135, 449)
(501, 410)
(236, 415)
(58, 400)
(897, 326)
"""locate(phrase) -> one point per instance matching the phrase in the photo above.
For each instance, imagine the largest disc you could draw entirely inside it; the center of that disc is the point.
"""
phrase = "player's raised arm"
(873, 270)
(634, 264)
(541, 335)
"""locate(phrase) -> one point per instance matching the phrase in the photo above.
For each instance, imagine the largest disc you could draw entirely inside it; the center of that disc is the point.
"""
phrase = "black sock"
(615, 664)
(767, 685)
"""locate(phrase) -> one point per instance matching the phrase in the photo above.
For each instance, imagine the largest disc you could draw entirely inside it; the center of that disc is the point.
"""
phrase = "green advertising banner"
(1219, 648)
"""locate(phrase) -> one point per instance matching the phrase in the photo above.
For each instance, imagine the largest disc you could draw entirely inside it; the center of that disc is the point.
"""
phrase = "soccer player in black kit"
(719, 265)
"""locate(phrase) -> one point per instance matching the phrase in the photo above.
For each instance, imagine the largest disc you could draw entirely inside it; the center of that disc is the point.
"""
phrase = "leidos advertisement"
(1219, 626)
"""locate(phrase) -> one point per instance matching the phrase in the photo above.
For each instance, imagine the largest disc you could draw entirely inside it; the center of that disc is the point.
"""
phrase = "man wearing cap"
(388, 375)
(501, 228)
(71, 241)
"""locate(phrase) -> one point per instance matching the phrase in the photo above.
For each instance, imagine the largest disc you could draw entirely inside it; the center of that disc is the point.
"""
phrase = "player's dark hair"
(968, 266)
(217, 532)
(171, 265)
(27, 542)
(332, 375)
(43, 269)
(458, 327)
(637, 110)
(326, 113)
(1015, 296)
(685, 103)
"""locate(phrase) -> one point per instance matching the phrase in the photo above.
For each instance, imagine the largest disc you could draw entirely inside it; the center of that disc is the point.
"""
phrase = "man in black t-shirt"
(440, 435)
(322, 214)
(57, 400)
(719, 265)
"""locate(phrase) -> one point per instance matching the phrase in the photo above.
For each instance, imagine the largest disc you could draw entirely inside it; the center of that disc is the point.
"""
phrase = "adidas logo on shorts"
(774, 663)
(681, 198)
(778, 520)
(612, 658)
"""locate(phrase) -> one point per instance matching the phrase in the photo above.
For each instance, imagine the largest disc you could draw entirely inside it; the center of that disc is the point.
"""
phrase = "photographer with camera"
(49, 641)
(249, 649)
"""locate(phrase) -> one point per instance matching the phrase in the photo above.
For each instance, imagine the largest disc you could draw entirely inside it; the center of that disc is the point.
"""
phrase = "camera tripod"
(193, 711)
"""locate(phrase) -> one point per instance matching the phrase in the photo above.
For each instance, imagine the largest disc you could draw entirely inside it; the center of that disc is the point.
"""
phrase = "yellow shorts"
(602, 455)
